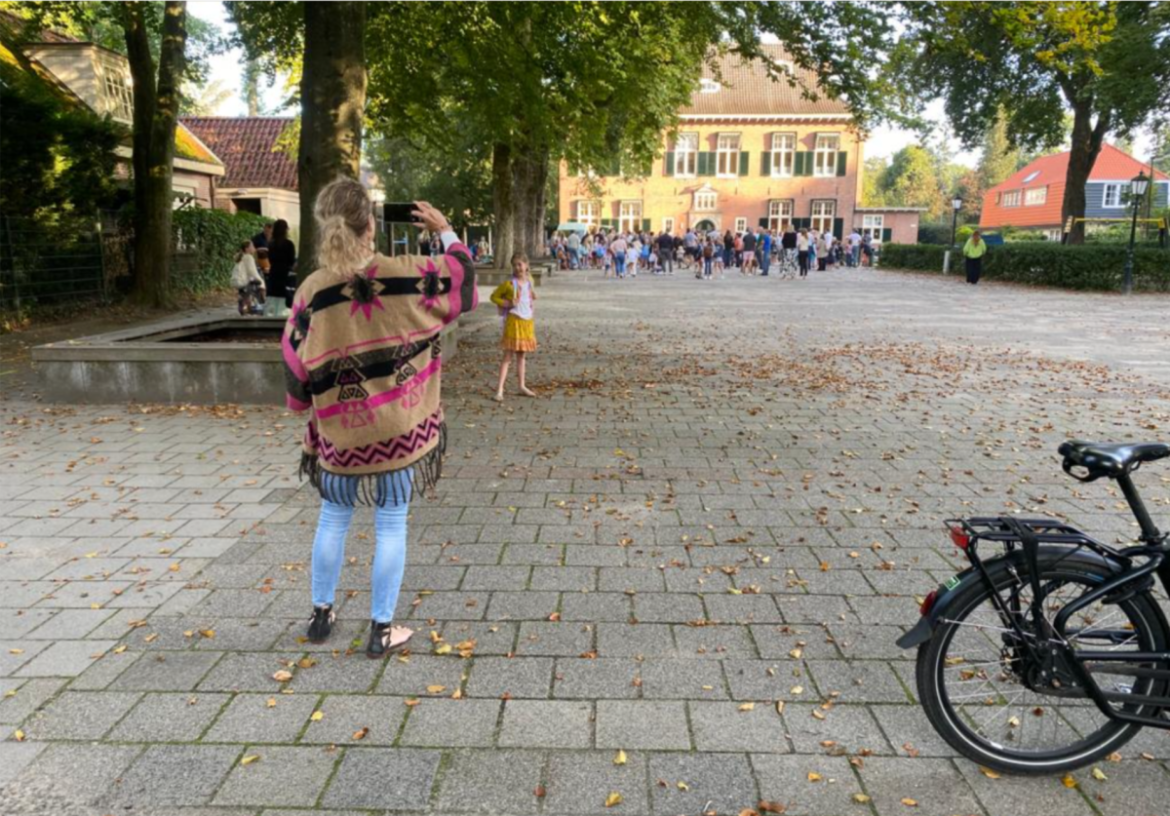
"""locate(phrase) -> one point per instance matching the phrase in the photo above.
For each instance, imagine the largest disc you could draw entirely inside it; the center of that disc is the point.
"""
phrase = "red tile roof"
(746, 89)
(1112, 165)
(245, 145)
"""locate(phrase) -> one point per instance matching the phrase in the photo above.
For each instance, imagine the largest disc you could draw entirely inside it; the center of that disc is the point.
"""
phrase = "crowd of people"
(711, 254)
(264, 275)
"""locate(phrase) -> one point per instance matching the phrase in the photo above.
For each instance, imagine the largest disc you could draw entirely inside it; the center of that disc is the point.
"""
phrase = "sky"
(884, 140)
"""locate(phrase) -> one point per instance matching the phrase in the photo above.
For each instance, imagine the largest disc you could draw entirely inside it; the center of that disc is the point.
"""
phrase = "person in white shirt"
(247, 281)
(826, 248)
(854, 247)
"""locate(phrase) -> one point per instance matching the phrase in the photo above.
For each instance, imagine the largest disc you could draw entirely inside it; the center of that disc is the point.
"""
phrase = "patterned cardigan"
(363, 356)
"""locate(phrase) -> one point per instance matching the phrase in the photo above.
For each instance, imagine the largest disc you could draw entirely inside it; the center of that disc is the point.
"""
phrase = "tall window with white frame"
(588, 213)
(686, 151)
(825, 155)
(118, 93)
(779, 215)
(668, 226)
(630, 216)
(783, 154)
(741, 225)
(727, 155)
(823, 213)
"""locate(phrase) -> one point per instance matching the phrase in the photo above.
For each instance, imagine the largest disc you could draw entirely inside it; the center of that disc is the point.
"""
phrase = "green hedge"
(215, 237)
(1091, 267)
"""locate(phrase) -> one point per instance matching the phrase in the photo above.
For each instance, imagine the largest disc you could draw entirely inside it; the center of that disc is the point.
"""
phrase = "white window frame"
(706, 201)
(117, 91)
(827, 146)
(821, 221)
(780, 212)
(727, 155)
(668, 225)
(589, 212)
(1011, 198)
(686, 155)
(741, 225)
(783, 154)
(1119, 188)
(873, 222)
(630, 216)
(1032, 200)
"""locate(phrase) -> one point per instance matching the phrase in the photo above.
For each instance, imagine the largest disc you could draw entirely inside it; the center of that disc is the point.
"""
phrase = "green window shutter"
(763, 222)
(766, 163)
(645, 225)
(701, 164)
(887, 234)
(669, 164)
(839, 227)
(798, 163)
(808, 163)
(607, 222)
(744, 162)
(842, 159)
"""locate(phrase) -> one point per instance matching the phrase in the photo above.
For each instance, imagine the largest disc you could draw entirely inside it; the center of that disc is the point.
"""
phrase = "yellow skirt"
(519, 334)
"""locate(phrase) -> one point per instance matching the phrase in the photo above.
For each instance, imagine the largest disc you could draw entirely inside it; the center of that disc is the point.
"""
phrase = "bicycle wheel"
(974, 682)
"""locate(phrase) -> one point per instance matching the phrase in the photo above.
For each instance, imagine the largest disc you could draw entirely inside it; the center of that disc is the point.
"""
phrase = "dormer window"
(118, 95)
(706, 200)
(708, 86)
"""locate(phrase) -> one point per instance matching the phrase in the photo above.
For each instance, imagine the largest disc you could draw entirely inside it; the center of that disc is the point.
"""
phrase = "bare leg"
(503, 375)
(521, 359)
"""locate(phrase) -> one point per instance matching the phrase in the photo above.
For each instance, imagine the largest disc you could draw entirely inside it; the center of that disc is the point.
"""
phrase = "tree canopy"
(1107, 62)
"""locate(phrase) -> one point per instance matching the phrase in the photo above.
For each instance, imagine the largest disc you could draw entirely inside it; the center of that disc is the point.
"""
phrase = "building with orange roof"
(1033, 196)
(749, 150)
(94, 76)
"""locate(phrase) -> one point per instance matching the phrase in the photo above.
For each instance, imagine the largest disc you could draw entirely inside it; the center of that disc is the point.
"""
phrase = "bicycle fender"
(949, 590)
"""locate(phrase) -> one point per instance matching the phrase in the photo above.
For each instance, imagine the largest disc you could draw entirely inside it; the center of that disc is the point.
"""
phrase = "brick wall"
(745, 196)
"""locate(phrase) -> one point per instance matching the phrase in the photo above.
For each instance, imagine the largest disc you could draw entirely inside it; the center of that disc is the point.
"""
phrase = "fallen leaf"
(861, 799)
(249, 759)
(620, 759)
(614, 798)
(307, 662)
(207, 633)
(18, 735)
(272, 702)
(282, 676)
(317, 716)
(436, 689)
(1069, 781)
(361, 733)
(813, 776)
(1099, 775)
(747, 706)
(766, 806)
(908, 802)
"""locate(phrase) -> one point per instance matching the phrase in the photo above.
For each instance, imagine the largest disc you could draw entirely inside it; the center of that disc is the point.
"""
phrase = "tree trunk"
(333, 101)
(156, 112)
(531, 181)
(503, 197)
(1086, 145)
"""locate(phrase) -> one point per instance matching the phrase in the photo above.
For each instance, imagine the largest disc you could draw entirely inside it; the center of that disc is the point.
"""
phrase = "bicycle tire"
(1150, 625)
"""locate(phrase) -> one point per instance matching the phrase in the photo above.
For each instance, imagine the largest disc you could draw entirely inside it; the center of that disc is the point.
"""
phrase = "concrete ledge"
(152, 363)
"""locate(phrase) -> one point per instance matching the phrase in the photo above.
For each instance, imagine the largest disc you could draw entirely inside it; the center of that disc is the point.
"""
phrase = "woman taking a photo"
(362, 350)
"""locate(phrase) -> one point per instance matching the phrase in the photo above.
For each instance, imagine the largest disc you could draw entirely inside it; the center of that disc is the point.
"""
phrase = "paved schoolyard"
(728, 493)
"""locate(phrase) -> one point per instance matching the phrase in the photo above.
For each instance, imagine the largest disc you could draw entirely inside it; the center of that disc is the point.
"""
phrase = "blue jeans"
(619, 263)
(707, 264)
(389, 536)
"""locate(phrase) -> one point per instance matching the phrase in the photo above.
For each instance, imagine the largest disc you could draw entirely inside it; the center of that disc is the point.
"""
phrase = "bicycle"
(1054, 653)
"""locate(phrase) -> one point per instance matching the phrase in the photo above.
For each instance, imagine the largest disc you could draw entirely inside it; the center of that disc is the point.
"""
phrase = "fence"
(71, 259)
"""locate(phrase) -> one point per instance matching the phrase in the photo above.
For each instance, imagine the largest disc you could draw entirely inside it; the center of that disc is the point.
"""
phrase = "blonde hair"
(342, 212)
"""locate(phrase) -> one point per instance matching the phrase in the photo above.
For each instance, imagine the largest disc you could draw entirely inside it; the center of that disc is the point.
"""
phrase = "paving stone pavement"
(727, 493)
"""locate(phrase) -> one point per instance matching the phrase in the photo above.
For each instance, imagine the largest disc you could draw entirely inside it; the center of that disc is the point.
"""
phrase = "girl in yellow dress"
(516, 299)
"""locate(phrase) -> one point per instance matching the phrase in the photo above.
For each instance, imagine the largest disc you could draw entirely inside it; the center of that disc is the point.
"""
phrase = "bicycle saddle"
(1112, 460)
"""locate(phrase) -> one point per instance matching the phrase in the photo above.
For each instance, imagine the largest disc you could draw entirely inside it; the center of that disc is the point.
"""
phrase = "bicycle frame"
(1027, 535)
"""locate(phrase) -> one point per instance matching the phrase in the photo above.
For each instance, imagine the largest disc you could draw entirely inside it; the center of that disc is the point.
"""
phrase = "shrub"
(1041, 263)
(214, 237)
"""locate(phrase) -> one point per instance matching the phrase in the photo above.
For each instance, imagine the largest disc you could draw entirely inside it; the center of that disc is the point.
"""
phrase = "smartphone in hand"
(399, 212)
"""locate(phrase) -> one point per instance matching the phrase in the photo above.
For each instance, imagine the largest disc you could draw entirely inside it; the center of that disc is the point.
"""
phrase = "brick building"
(748, 151)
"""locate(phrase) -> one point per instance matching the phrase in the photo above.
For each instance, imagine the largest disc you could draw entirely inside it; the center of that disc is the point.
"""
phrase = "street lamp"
(1137, 191)
(956, 205)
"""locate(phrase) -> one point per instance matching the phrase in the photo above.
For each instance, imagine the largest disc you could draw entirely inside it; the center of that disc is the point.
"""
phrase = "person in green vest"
(973, 252)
